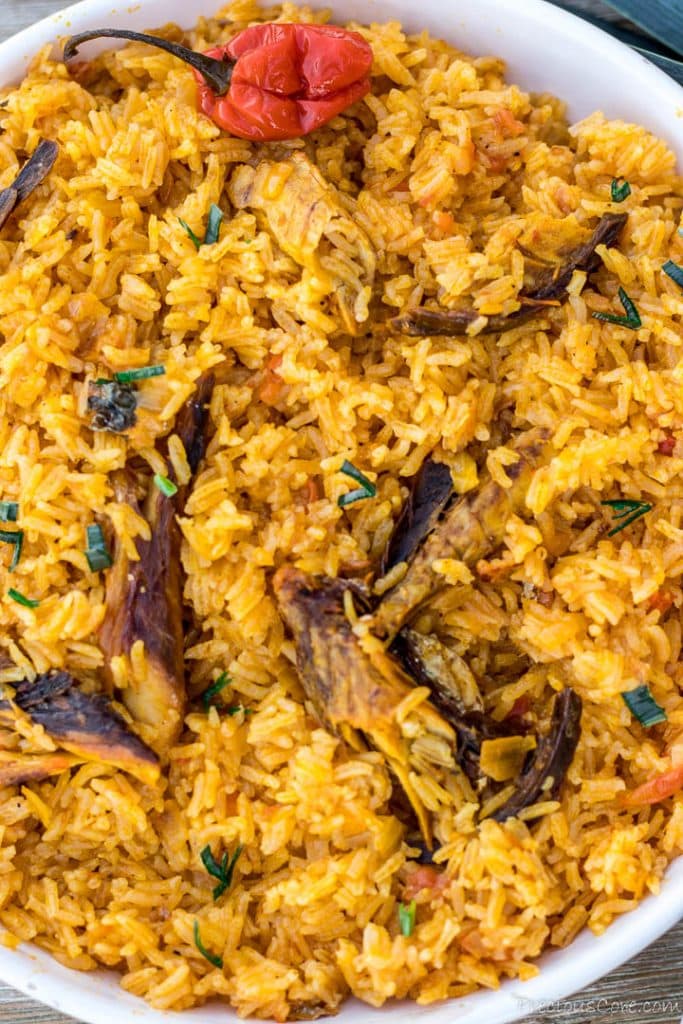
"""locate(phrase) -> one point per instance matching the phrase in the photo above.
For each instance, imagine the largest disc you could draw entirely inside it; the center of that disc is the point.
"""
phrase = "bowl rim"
(93, 997)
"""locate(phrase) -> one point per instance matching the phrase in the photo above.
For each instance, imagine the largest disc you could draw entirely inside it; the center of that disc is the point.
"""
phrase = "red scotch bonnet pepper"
(270, 82)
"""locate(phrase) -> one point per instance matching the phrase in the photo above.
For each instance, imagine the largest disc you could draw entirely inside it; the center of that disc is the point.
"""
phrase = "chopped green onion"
(366, 489)
(213, 225)
(213, 228)
(223, 871)
(406, 918)
(15, 537)
(643, 706)
(98, 559)
(619, 192)
(9, 510)
(96, 551)
(27, 602)
(632, 313)
(215, 688)
(166, 486)
(631, 319)
(215, 961)
(351, 496)
(674, 272)
(627, 510)
(349, 469)
(215, 869)
(126, 376)
(94, 536)
(17, 552)
(190, 233)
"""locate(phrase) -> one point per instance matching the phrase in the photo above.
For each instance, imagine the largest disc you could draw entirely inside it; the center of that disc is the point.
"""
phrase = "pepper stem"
(216, 73)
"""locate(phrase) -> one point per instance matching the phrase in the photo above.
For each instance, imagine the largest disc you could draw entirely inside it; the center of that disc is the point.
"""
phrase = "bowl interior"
(547, 50)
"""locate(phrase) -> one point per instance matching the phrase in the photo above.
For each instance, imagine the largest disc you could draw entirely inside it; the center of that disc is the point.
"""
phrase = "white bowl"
(546, 50)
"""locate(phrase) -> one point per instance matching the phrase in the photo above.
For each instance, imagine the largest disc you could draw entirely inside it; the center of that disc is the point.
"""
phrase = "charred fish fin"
(192, 421)
(8, 200)
(468, 529)
(430, 491)
(29, 695)
(554, 753)
(85, 725)
(410, 648)
(34, 171)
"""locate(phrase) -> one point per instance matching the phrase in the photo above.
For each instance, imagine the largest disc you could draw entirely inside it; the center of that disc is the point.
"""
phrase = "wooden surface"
(647, 990)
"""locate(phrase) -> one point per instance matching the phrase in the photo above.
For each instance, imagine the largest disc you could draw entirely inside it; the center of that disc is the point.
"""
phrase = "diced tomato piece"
(520, 708)
(424, 877)
(507, 124)
(231, 803)
(495, 162)
(272, 383)
(666, 445)
(660, 601)
(472, 943)
(311, 491)
(444, 220)
(658, 788)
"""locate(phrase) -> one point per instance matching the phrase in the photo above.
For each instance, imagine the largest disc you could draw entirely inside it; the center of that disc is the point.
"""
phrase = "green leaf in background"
(661, 19)
(658, 54)
(673, 68)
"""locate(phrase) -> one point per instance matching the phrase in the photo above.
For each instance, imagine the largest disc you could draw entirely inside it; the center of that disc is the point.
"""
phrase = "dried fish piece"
(426, 661)
(455, 694)
(113, 405)
(34, 171)
(144, 597)
(550, 287)
(469, 530)
(144, 603)
(358, 691)
(85, 725)
(430, 663)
